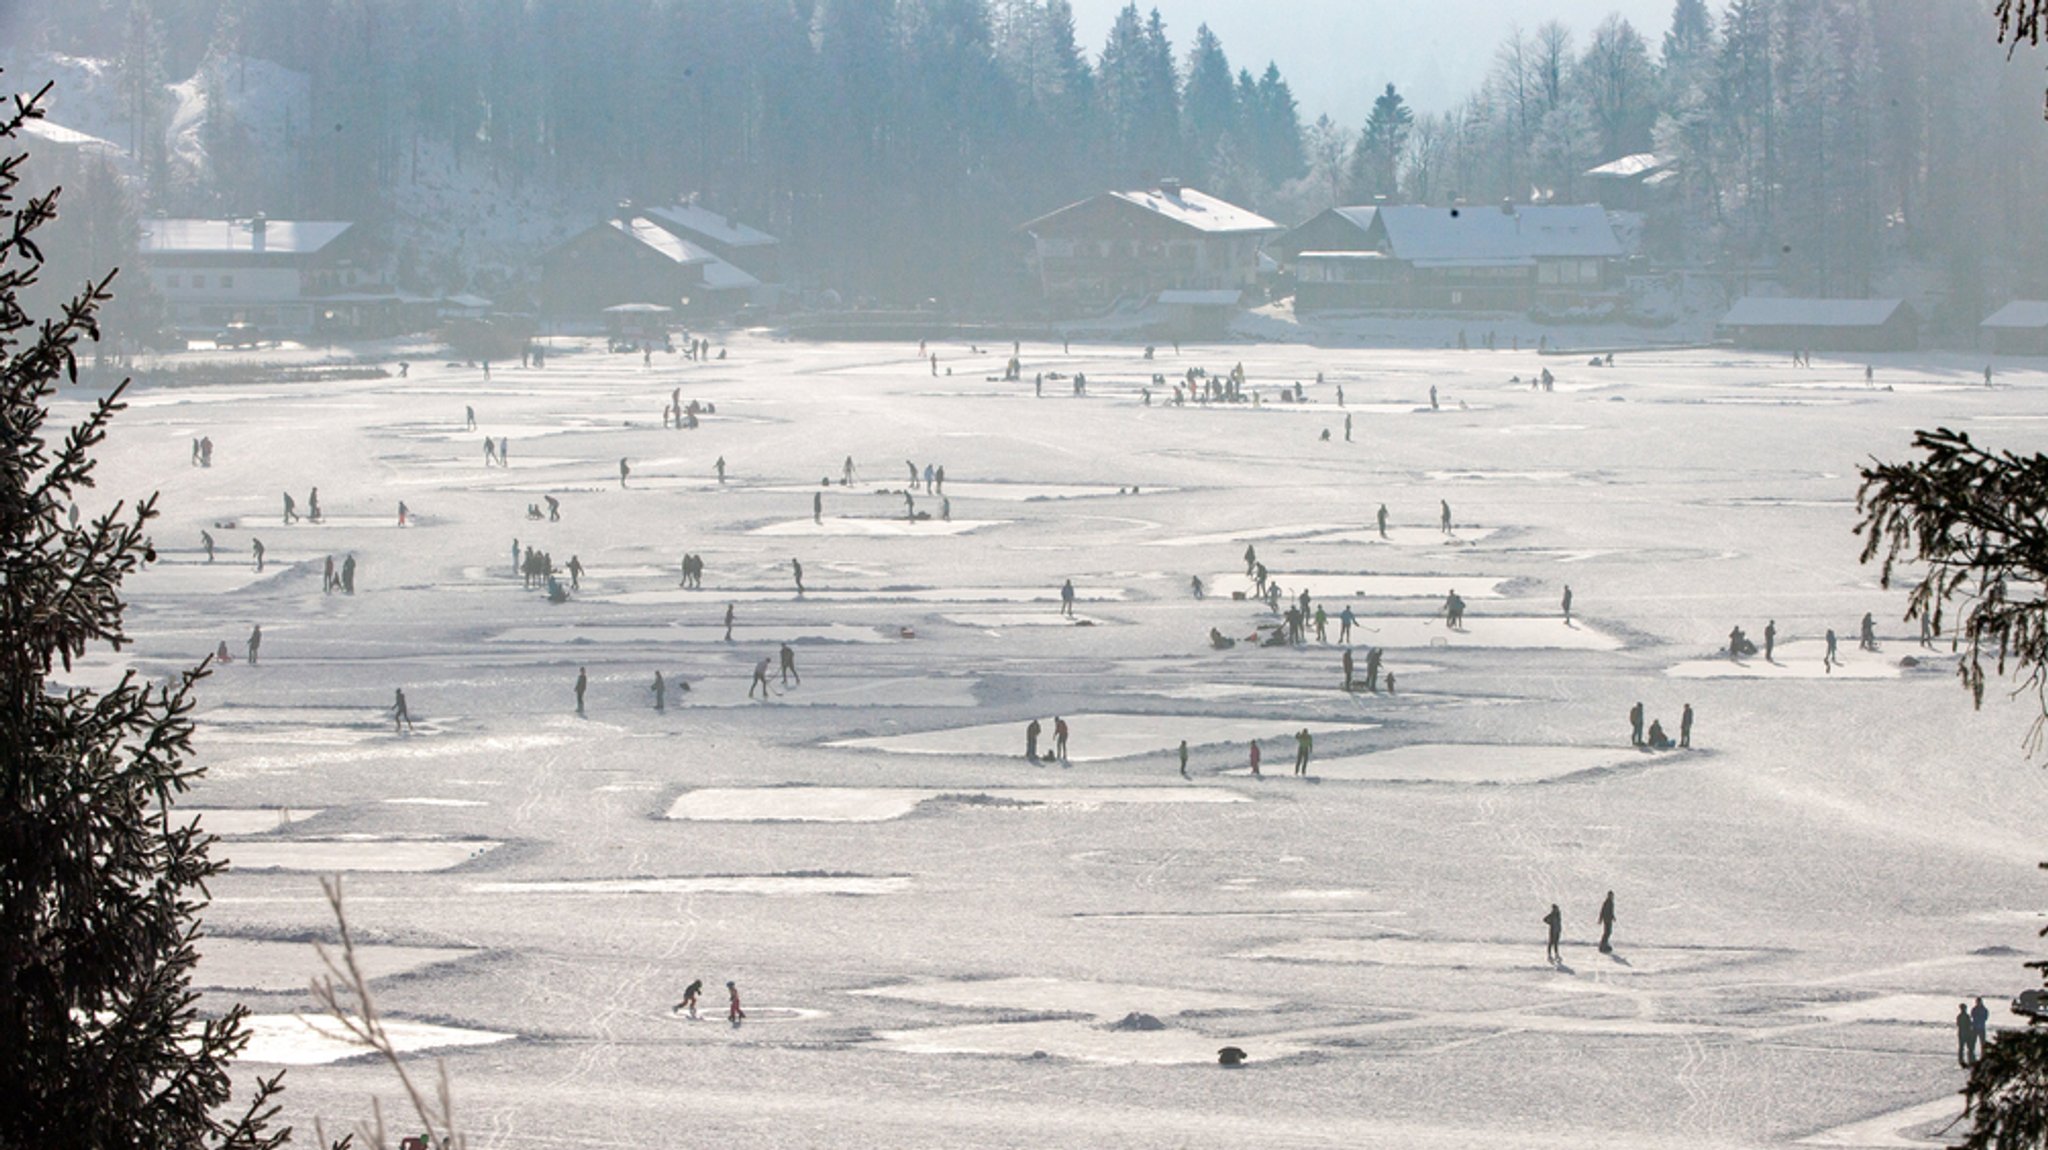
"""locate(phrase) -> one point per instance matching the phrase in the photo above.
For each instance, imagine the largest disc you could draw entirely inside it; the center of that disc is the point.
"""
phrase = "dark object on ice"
(1220, 641)
(1136, 1020)
(2031, 1004)
(1230, 1056)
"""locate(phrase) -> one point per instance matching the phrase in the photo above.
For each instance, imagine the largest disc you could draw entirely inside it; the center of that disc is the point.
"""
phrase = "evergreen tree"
(1690, 37)
(1273, 122)
(1209, 105)
(1619, 84)
(1375, 161)
(101, 1043)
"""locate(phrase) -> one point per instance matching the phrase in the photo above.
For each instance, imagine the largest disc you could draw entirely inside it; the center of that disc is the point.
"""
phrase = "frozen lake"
(940, 942)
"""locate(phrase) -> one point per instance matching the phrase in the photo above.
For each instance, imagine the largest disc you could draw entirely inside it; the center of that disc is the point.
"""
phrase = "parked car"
(238, 334)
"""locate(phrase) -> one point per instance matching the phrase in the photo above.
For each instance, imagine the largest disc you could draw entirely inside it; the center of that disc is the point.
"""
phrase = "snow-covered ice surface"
(1802, 897)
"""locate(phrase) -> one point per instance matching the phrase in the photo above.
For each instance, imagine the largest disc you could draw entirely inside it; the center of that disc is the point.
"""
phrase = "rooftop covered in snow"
(239, 237)
(1777, 311)
(1175, 204)
(2026, 314)
(711, 225)
(1474, 236)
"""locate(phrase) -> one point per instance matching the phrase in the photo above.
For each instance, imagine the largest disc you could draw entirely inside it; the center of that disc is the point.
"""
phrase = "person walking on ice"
(846, 473)
(1868, 639)
(796, 566)
(818, 507)
(1184, 760)
(1383, 520)
(733, 1013)
(468, 417)
(575, 573)
(1347, 668)
(291, 512)
(1980, 1016)
(255, 643)
(1255, 760)
(1966, 1036)
(1059, 738)
(789, 666)
(1251, 559)
(1567, 604)
(1685, 727)
(1446, 515)
(1635, 725)
(1606, 920)
(728, 622)
(1031, 733)
(582, 684)
(206, 541)
(256, 549)
(1770, 639)
(660, 690)
(1067, 598)
(401, 717)
(1830, 660)
(689, 1003)
(1304, 746)
(1555, 921)
(760, 679)
(624, 471)
(313, 505)
(720, 468)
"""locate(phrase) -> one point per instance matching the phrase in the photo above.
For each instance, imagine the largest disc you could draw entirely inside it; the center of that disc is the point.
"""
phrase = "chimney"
(1169, 187)
(259, 227)
(627, 210)
(1507, 205)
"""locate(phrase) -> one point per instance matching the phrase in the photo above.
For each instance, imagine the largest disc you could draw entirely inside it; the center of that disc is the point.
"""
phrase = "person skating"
(1255, 759)
(728, 622)
(796, 567)
(1347, 428)
(846, 473)
(255, 643)
(1685, 727)
(256, 549)
(490, 451)
(760, 679)
(504, 451)
(733, 1013)
(575, 573)
(327, 577)
(1446, 515)
(206, 451)
(1830, 660)
(1345, 621)
(554, 508)
(1347, 668)
(818, 507)
(1555, 921)
(1635, 725)
(660, 690)
(1067, 598)
(1059, 738)
(1567, 604)
(1251, 559)
(1195, 584)
(582, 684)
(690, 993)
(313, 506)
(401, 716)
(348, 574)
(1304, 746)
(720, 468)
(291, 513)
(1606, 920)
(1770, 639)
(1031, 733)
(402, 513)
(206, 541)
(788, 656)
(1322, 625)
(1868, 639)
(468, 417)
(1184, 760)
(624, 471)
(1383, 520)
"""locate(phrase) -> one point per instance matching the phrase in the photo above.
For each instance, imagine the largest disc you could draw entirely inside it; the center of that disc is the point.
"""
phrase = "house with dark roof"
(1138, 243)
(1412, 256)
(752, 252)
(2018, 328)
(1790, 324)
(283, 277)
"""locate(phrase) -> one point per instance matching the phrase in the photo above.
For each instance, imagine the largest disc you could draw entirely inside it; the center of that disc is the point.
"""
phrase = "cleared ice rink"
(938, 941)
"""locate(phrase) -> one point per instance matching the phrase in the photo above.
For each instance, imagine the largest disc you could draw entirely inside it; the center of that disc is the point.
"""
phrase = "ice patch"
(1470, 763)
(1098, 737)
(1101, 999)
(1450, 954)
(1334, 587)
(1796, 660)
(1079, 1041)
(876, 528)
(229, 822)
(387, 855)
(312, 1040)
(1893, 1130)
(768, 884)
(260, 964)
(880, 804)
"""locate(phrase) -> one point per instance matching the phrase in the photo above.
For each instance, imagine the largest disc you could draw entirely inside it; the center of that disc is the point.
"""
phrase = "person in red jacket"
(733, 1013)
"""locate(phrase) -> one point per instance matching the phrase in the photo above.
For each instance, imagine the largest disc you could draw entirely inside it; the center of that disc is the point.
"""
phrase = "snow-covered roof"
(1362, 217)
(1770, 311)
(1477, 236)
(711, 225)
(44, 130)
(221, 237)
(1344, 256)
(2020, 313)
(1219, 297)
(1199, 210)
(465, 300)
(722, 276)
(661, 241)
(1629, 167)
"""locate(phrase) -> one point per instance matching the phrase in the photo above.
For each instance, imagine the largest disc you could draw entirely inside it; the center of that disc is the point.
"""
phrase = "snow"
(707, 224)
(1483, 236)
(1773, 311)
(1198, 210)
(1798, 896)
(2031, 314)
(267, 965)
(314, 1040)
(660, 241)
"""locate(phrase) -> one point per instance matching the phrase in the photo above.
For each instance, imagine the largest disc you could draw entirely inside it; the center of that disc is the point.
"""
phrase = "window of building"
(1457, 298)
(199, 282)
(173, 281)
(1589, 271)
(226, 281)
